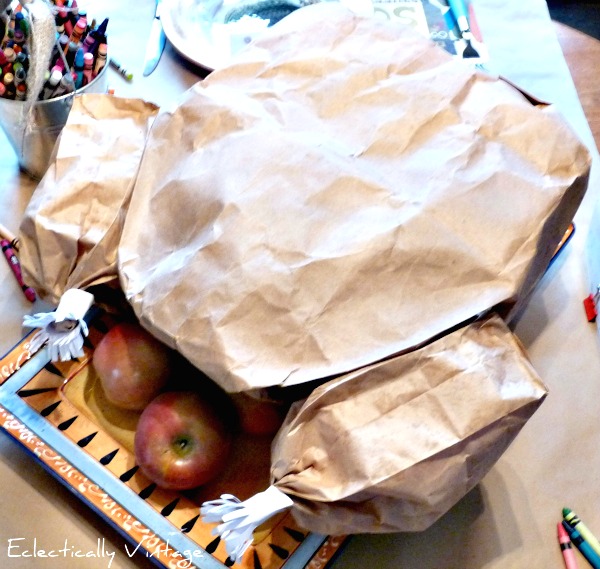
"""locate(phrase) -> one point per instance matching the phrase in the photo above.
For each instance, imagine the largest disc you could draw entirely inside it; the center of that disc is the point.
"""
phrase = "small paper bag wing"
(71, 229)
(395, 445)
(344, 192)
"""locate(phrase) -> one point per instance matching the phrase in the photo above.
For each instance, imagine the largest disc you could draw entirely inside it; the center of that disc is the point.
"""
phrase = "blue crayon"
(575, 522)
(584, 547)
(78, 68)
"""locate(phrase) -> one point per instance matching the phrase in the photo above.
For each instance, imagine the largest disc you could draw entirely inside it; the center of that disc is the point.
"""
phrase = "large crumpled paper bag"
(72, 226)
(344, 192)
(393, 446)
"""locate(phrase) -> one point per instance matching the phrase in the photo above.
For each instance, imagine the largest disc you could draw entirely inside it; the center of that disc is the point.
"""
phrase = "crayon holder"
(34, 144)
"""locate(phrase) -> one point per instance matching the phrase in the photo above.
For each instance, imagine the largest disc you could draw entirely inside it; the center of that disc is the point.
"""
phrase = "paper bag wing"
(394, 446)
(71, 229)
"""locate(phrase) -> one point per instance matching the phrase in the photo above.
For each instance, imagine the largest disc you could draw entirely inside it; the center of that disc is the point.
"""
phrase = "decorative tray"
(56, 413)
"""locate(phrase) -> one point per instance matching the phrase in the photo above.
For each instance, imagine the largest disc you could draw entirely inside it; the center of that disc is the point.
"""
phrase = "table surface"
(582, 53)
(509, 520)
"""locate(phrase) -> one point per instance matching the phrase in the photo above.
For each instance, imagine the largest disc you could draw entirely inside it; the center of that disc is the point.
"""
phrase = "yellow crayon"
(575, 522)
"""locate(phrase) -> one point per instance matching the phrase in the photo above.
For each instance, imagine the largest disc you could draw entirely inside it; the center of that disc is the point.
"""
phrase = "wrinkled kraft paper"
(394, 446)
(344, 192)
(72, 226)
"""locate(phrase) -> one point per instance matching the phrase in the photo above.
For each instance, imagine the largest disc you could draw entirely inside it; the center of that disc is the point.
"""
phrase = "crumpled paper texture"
(393, 446)
(341, 196)
(344, 192)
(72, 226)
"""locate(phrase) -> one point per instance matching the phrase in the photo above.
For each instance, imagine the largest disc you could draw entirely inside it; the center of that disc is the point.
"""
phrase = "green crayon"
(24, 26)
(575, 522)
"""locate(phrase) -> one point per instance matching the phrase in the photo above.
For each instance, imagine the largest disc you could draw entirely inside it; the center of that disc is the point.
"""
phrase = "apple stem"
(240, 519)
(183, 445)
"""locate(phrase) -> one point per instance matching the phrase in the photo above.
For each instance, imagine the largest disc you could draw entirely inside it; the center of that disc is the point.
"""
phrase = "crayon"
(89, 44)
(566, 547)
(65, 86)
(24, 27)
(78, 68)
(19, 73)
(13, 262)
(100, 59)
(74, 16)
(21, 92)
(584, 547)
(575, 522)
(101, 29)
(51, 84)
(19, 37)
(78, 31)
(99, 34)
(19, 17)
(70, 53)
(23, 60)
(120, 69)
(62, 17)
(63, 41)
(9, 84)
(88, 63)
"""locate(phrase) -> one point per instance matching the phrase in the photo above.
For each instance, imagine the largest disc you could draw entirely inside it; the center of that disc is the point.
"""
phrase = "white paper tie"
(64, 329)
(240, 519)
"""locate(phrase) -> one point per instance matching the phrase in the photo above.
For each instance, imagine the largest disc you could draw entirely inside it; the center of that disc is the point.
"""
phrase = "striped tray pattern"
(35, 409)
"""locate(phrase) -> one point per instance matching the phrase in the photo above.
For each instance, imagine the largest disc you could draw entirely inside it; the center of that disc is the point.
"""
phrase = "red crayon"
(16, 269)
(566, 548)
(62, 18)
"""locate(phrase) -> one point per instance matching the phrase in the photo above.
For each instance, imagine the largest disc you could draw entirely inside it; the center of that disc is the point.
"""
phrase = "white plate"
(199, 31)
(207, 33)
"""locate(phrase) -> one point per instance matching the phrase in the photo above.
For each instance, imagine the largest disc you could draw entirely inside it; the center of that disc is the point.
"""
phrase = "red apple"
(180, 441)
(256, 416)
(133, 366)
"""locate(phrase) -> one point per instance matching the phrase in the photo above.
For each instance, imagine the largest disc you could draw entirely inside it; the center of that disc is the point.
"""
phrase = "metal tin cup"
(34, 144)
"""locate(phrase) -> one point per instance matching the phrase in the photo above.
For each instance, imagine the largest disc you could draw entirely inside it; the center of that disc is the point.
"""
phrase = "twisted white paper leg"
(64, 329)
(240, 519)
